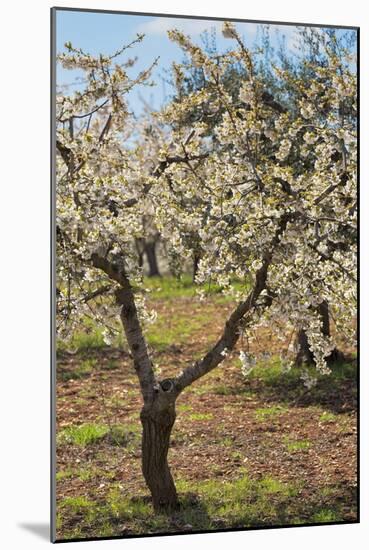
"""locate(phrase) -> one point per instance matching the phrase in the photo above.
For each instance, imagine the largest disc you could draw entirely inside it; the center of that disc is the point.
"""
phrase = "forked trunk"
(157, 427)
(158, 413)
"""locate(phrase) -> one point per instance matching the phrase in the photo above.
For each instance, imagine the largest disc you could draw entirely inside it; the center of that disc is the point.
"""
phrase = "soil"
(225, 424)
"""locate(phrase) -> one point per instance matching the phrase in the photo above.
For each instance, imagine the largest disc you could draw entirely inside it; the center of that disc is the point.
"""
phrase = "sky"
(97, 32)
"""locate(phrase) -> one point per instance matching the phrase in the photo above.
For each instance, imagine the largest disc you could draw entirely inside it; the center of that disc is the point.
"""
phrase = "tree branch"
(86, 114)
(325, 258)
(160, 168)
(131, 325)
(229, 337)
(231, 332)
(176, 159)
(64, 151)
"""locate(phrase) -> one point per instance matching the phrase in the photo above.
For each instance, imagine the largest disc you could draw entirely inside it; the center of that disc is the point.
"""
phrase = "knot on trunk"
(167, 385)
(165, 394)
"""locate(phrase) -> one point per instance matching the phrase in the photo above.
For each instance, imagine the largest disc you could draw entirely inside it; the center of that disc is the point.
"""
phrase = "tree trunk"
(304, 355)
(196, 260)
(324, 315)
(158, 413)
(157, 426)
(140, 247)
(150, 250)
(140, 259)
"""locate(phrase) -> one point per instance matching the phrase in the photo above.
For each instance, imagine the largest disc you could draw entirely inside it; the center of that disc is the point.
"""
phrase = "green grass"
(242, 502)
(184, 408)
(274, 411)
(167, 288)
(271, 372)
(76, 507)
(334, 391)
(297, 445)
(327, 416)
(110, 365)
(170, 288)
(329, 491)
(84, 368)
(166, 332)
(89, 434)
(91, 338)
(200, 416)
(222, 389)
(124, 508)
(237, 455)
(205, 505)
(227, 442)
(200, 388)
(168, 329)
(64, 474)
(326, 515)
(84, 473)
(77, 504)
(85, 434)
(125, 436)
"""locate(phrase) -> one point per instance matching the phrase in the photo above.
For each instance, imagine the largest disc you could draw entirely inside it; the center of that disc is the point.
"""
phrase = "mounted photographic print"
(204, 232)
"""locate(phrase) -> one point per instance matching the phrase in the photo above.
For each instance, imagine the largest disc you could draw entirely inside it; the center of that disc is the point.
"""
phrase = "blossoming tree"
(271, 196)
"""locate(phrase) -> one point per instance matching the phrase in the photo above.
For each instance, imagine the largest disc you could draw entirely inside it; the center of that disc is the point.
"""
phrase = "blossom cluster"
(269, 183)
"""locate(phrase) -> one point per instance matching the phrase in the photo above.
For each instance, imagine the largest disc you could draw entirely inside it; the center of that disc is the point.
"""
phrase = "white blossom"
(248, 362)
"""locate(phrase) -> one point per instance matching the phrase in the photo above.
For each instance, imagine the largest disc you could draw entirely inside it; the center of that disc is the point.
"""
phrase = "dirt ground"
(282, 454)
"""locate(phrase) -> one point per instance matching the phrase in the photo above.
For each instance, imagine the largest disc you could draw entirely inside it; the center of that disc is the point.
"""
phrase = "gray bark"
(131, 325)
(158, 412)
(157, 421)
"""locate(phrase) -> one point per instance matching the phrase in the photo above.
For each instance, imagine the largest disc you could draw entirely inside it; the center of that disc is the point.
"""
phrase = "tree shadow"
(333, 503)
(192, 514)
(336, 392)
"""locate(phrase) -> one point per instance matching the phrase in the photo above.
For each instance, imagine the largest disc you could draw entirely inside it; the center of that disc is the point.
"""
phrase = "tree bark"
(140, 247)
(304, 354)
(131, 324)
(157, 427)
(196, 260)
(158, 412)
(150, 250)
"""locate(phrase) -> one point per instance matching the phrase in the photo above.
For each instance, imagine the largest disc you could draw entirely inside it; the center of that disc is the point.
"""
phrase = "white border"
(24, 307)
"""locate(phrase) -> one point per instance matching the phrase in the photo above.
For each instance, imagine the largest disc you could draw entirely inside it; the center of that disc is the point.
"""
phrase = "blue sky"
(97, 32)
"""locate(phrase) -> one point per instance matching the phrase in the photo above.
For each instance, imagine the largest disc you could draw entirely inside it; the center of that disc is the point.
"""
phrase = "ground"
(245, 452)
